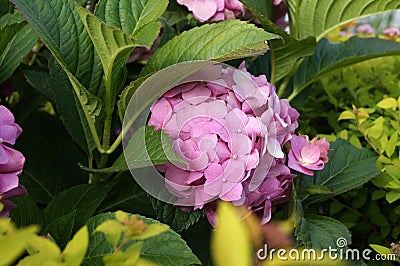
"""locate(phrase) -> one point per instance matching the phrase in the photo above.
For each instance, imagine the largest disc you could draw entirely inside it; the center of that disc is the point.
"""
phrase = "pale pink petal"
(274, 148)
(310, 154)
(8, 182)
(240, 144)
(197, 95)
(231, 192)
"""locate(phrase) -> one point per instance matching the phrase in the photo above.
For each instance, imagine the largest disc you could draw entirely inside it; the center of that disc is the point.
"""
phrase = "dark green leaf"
(61, 229)
(221, 41)
(347, 168)
(16, 41)
(27, 212)
(127, 196)
(178, 219)
(316, 231)
(84, 199)
(61, 29)
(330, 56)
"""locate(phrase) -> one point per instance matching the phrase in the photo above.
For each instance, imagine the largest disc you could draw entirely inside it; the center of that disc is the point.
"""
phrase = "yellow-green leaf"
(376, 129)
(127, 258)
(112, 229)
(347, 115)
(392, 196)
(121, 216)
(150, 231)
(75, 250)
(380, 249)
(391, 145)
(230, 243)
(387, 103)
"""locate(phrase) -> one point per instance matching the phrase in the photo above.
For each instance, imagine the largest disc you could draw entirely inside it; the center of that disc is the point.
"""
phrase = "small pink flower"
(365, 28)
(213, 10)
(392, 32)
(306, 156)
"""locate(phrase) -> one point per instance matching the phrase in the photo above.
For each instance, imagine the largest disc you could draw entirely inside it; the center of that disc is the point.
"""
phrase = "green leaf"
(347, 115)
(150, 231)
(178, 219)
(221, 41)
(380, 249)
(61, 228)
(392, 196)
(330, 56)
(84, 199)
(75, 250)
(316, 190)
(347, 168)
(27, 212)
(391, 145)
(166, 249)
(10, 18)
(129, 197)
(131, 16)
(264, 8)
(16, 41)
(387, 103)
(112, 229)
(332, 13)
(316, 231)
(114, 47)
(149, 33)
(129, 257)
(231, 229)
(58, 89)
(126, 95)
(59, 26)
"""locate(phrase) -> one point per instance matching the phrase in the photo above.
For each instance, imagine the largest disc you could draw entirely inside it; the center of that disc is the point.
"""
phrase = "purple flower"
(306, 156)
(230, 132)
(11, 160)
(392, 32)
(213, 10)
(365, 28)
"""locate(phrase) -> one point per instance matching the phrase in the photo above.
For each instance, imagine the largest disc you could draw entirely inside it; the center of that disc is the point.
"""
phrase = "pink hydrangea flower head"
(365, 28)
(213, 10)
(11, 160)
(392, 32)
(230, 132)
(306, 156)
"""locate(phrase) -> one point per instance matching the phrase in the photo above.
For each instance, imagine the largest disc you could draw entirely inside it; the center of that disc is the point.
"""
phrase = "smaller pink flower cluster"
(306, 156)
(365, 28)
(392, 32)
(11, 161)
(213, 10)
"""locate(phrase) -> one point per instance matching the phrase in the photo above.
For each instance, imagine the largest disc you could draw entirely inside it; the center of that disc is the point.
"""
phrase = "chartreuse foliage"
(128, 240)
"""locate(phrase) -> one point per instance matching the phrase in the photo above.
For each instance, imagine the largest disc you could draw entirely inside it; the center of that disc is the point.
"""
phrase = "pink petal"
(233, 171)
(6, 117)
(223, 152)
(261, 171)
(310, 154)
(294, 164)
(298, 142)
(274, 148)
(197, 95)
(160, 111)
(16, 160)
(217, 88)
(240, 144)
(231, 192)
(8, 182)
(236, 120)
(213, 172)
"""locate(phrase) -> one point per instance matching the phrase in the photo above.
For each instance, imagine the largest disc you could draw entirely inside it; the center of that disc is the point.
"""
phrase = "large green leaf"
(114, 47)
(221, 41)
(128, 196)
(61, 29)
(84, 199)
(347, 168)
(316, 231)
(16, 41)
(316, 18)
(27, 212)
(134, 17)
(61, 229)
(167, 249)
(58, 89)
(286, 52)
(330, 56)
(178, 219)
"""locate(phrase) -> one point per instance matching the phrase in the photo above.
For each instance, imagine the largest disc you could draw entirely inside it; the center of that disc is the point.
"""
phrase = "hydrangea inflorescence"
(231, 132)
(11, 161)
(213, 10)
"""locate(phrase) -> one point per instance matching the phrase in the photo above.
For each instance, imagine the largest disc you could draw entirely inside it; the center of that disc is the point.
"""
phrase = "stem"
(285, 82)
